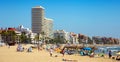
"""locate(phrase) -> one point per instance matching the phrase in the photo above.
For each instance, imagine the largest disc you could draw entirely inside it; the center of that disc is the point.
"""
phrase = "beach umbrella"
(87, 48)
(118, 53)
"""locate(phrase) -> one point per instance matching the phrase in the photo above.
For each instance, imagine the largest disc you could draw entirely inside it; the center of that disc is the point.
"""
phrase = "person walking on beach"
(63, 52)
(39, 48)
(51, 52)
(8, 46)
(110, 54)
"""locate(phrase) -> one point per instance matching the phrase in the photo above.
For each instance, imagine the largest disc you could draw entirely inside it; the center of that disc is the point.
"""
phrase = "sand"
(10, 55)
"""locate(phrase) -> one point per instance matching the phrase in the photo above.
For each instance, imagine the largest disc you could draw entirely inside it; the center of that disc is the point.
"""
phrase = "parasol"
(118, 53)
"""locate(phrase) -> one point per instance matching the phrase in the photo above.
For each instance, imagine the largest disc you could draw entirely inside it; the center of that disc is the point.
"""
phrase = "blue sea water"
(106, 49)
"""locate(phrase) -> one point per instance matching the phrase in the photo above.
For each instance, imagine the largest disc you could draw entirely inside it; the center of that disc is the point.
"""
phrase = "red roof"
(12, 29)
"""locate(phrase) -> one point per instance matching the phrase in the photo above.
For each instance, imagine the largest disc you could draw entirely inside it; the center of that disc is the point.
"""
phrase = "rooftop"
(39, 7)
(48, 19)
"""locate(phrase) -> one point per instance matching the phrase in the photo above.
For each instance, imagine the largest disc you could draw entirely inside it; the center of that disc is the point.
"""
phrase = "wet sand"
(10, 55)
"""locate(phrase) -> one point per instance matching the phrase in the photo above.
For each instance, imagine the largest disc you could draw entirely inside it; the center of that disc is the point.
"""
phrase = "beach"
(11, 55)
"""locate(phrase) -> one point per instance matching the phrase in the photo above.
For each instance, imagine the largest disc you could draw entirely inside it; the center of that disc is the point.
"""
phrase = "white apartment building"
(48, 27)
(73, 38)
(62, 34)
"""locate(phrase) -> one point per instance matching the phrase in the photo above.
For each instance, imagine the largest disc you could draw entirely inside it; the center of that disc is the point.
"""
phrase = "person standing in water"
(110, 54)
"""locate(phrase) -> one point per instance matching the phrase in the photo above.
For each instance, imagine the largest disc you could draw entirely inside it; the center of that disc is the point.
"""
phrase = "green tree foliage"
(23, 37)
(90, 40)
(8, 36)
(59, 39)
(36, 38)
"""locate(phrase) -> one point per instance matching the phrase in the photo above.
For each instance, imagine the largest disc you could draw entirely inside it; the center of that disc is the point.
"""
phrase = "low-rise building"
(62, 34)
(20, 29)
(105, 40)
(73, 39)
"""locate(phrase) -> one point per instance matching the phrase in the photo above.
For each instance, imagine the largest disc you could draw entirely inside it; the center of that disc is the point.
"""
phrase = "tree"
(4, 35)
(43, 36)
(59, 39)
(90, 40)
(36, 38)
(47, 40)
(23, 37)
(8, 36)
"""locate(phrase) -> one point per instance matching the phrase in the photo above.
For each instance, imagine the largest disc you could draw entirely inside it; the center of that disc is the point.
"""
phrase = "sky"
(89, 17)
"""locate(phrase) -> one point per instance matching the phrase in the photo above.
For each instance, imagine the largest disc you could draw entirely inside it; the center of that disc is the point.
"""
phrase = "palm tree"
(43, 36)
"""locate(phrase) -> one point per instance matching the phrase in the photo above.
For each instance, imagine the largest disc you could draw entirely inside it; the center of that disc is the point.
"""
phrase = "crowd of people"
(52, 48)
(20, 48)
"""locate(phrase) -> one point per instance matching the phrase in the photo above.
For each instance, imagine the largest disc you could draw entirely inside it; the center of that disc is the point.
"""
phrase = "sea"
(105, 49)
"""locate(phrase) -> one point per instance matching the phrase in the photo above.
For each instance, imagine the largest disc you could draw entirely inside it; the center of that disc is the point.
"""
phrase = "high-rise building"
(41, 24)
(48, 27)
(37, 19)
